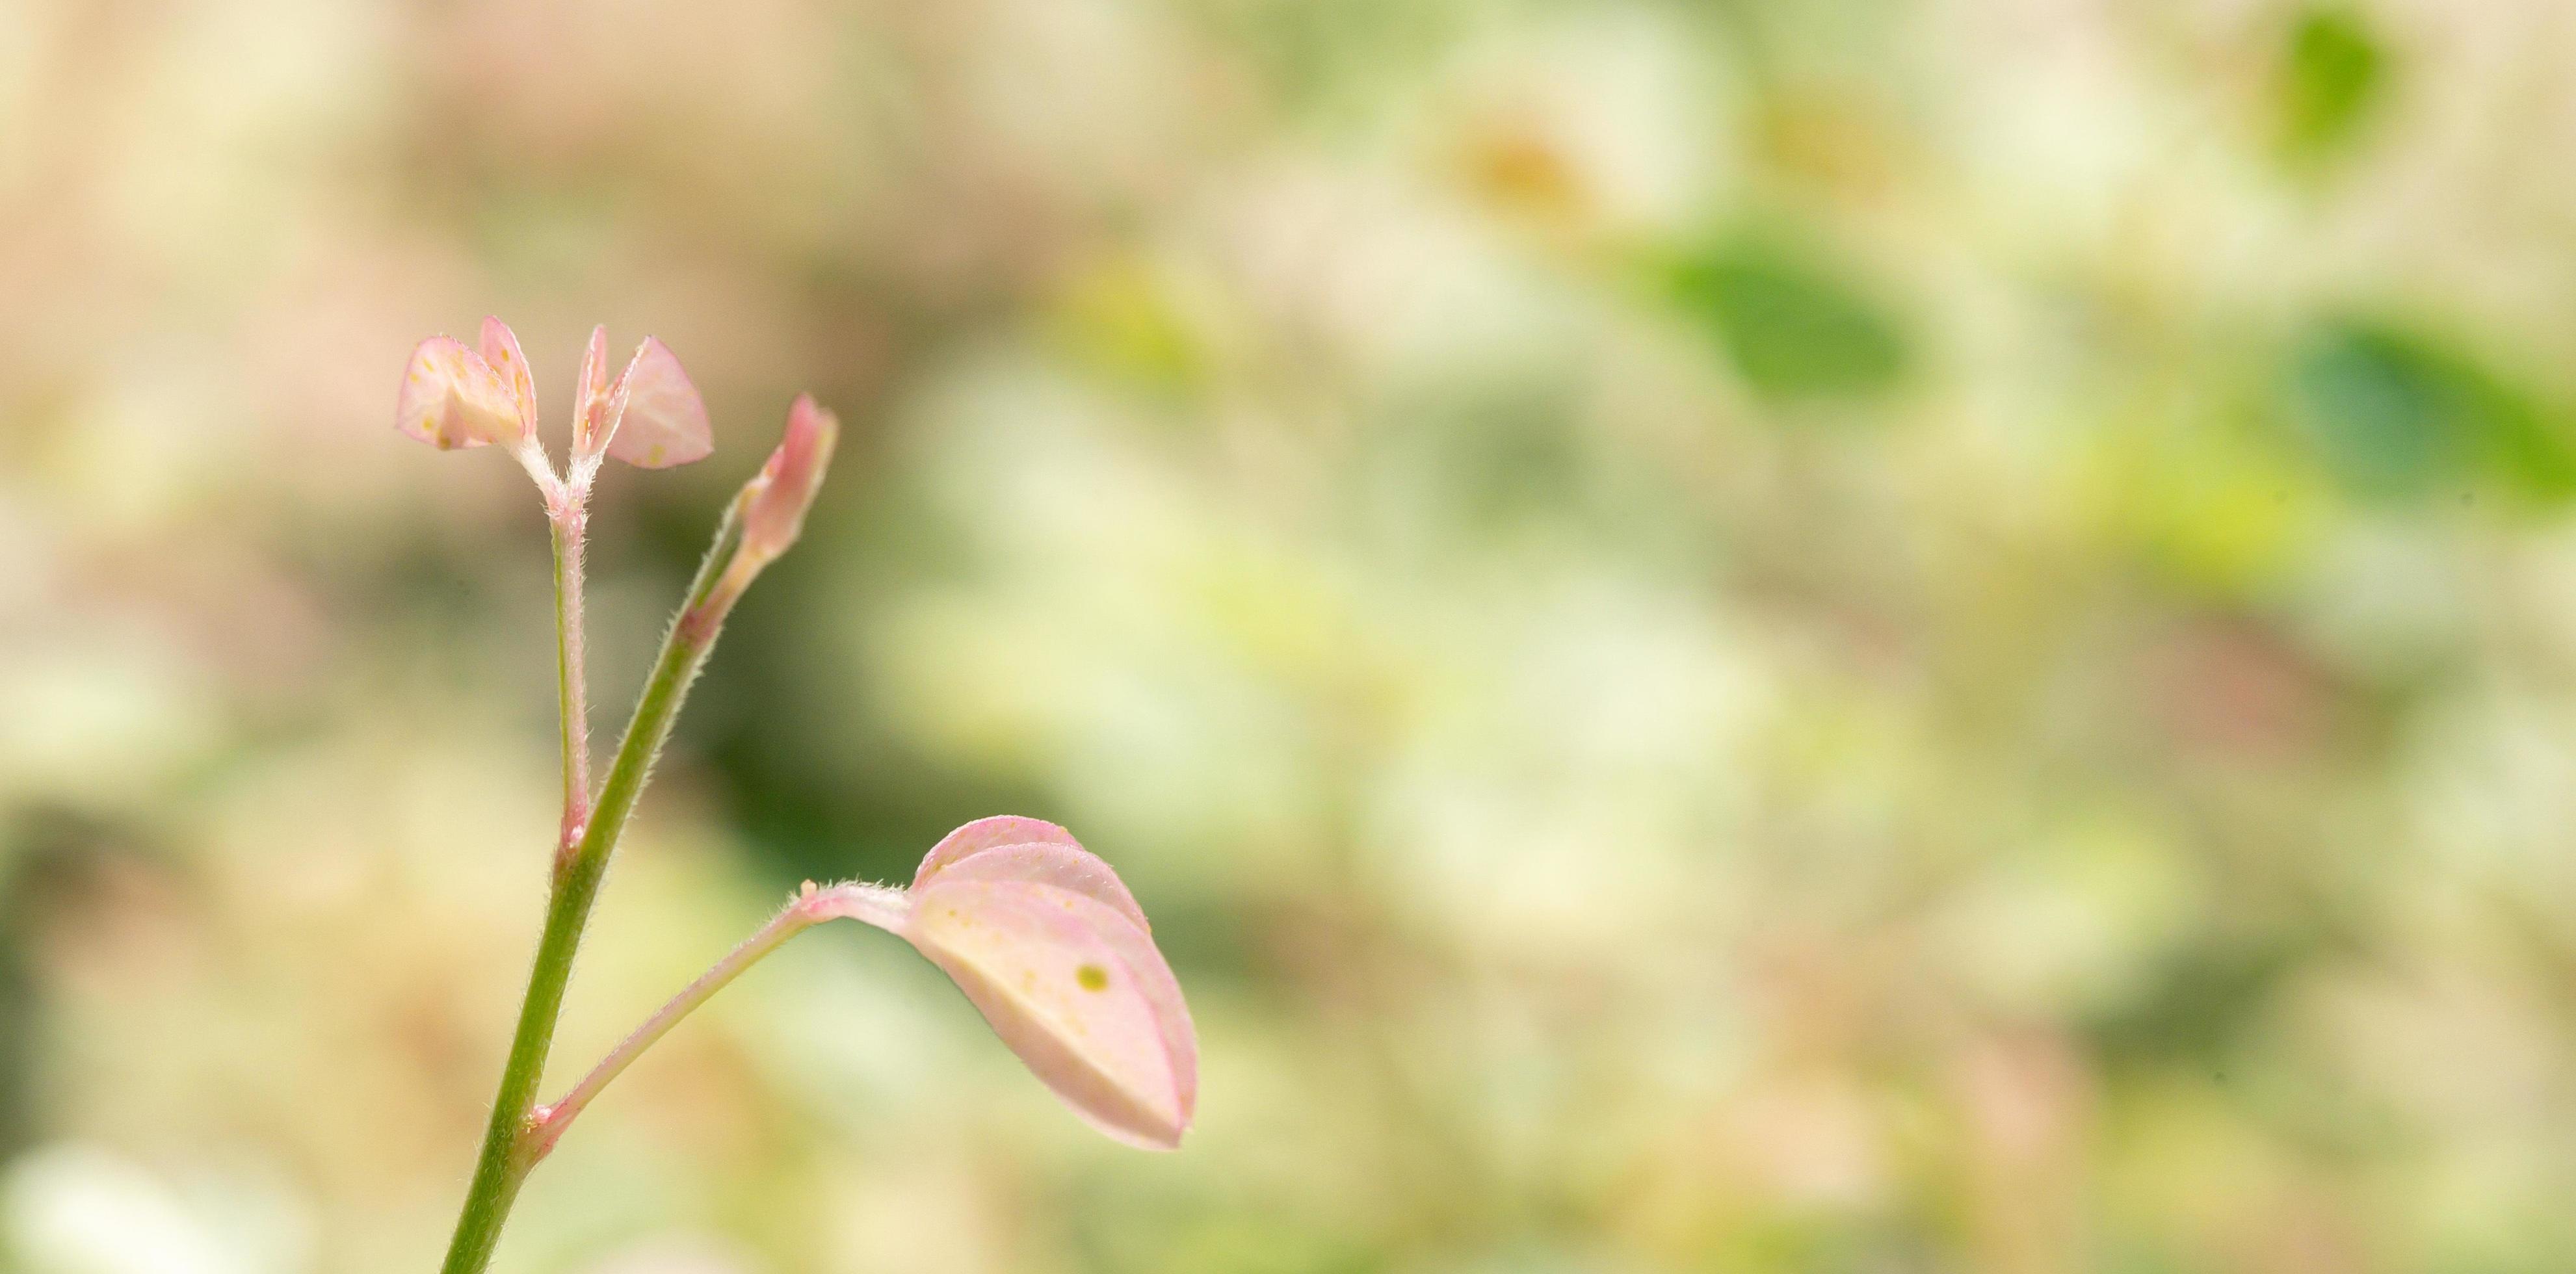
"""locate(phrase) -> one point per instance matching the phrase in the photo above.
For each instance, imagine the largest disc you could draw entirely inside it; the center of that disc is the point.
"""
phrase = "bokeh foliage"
(1861, 635)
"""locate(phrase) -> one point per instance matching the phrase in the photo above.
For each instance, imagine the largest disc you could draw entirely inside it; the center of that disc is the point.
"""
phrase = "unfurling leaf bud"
(500, 350)
(764, 519)
(590, 403)
(1053, 951)
(453, 397)
(650, 417)
(775, 500)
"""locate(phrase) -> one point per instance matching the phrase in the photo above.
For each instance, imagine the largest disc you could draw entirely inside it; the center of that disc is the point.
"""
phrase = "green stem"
(509, 1145)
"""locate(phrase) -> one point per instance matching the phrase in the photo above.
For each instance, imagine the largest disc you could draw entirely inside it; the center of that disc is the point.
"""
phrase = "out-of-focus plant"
(1039, 933)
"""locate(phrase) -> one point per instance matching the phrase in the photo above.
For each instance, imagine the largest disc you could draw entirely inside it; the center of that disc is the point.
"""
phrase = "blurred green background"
(1859, 635)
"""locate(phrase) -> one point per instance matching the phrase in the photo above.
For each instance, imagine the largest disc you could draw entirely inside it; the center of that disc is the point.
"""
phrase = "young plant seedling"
(1039, 933)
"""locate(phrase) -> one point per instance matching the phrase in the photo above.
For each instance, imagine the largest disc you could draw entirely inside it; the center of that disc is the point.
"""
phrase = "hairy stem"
(547, 1124)
(881, 905)
(570, 680)
(507, 1152)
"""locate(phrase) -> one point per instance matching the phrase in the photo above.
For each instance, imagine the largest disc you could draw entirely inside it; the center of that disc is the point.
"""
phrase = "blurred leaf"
(2382, 409)
(1119, 316)
(1331, 56)
(1134, 1223)
(2218, 505)
(1826, 1239)
(2396, 418)
(1494, 456)
(1794, 324)
(2130, 1254)
(2205, 1000)
(2334, 71)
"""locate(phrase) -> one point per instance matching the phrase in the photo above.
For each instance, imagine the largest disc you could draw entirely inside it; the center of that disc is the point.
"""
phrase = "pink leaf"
(590, 423)
(451, 398)
(1077, 989)
(1050, 947)
(1063, 866)
(658, 419)
(988, 833)
(500, 350)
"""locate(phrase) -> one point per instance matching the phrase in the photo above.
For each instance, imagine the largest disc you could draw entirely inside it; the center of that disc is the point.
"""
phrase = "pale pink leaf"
(590, 397)
(500, 350)
(452, 398)
(988, 833)
(658, 419)
(1062, 865)
(1078, 991)
(1050, 947)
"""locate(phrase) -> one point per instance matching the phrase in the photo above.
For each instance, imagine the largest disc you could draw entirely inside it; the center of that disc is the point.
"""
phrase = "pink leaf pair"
(650, 417)
(1052, 949)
